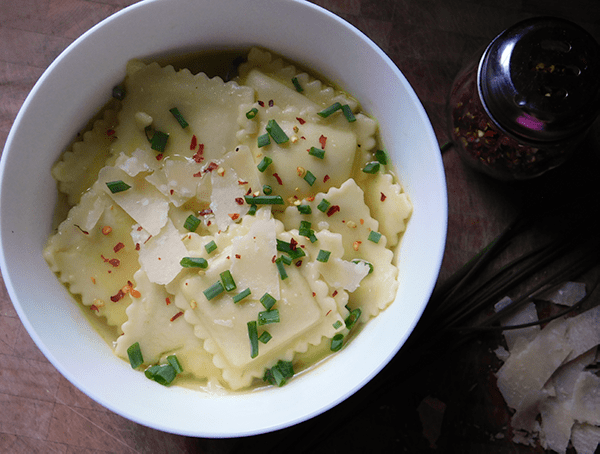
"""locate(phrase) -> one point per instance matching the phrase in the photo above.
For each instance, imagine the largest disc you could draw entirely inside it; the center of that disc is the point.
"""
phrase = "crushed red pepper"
(194, 142)
(115, 298)
(118, 246)
(278, 178)
(198, 155)
(332, 210)
(176, 316)
(322, 141)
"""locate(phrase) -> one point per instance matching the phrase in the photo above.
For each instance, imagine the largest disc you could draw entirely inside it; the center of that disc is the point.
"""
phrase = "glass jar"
(521, 107)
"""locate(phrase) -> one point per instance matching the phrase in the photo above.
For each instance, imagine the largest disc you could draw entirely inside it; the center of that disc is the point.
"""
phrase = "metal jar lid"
(540, 79)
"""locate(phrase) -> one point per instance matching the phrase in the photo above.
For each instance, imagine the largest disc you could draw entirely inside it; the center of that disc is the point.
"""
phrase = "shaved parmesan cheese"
(139, 161)
(161, 254)
(585, 438)
(227, 198)
(568, 294)
(340, 273)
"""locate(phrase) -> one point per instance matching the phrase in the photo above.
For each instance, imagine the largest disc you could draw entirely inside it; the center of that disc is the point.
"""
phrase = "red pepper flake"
(197, 174)
(335, 292)
(176, 316)
(239, 200)
(114, 262)
(249, 191)
(271, 103)
(106, 230)
(328, 312)
(135, 293)
(274, 259)
(167, 300)
(234, 216)
(137, 246)
(205, 212)
(325, 178)
(261, 104)
(293, 244)
(242, 182)
(159, 156)
(118, 247)
(278, 179)
(383, 197)
(198, 156)
(140, 228)
(118, 296)
(110, 132)
(301, 120)
(94, 308)
(322, 141)
(93, 279)
(172, 191)
(147, 239)
(238, 256)
(314, 294)
(332, 210)
(212, 166)
(298, 263)
(194, 142)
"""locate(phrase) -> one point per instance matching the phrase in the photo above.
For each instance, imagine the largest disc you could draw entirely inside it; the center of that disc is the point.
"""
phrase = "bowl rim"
(142, 414)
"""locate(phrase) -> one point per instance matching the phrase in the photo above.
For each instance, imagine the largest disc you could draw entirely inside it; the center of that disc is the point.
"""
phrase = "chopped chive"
(306, 231)
(370, 265)
(348, 113)
(276, 132)
(316, 152)
(135, 355)
(251, 113)
(382, 157)
(284, 246)
(310, 178)
(329, 110)
(374, 236)
(253, 335)
(286, 259)
(280, 373)
(262, 165)
(267, 301)
(174, 362)
(336, 342)
(117, 186)
(240, 296)
(175, 111)
(193, 262)
(210, 247)
(163, 374)
(268, 317)
(265, 337)
(118, 92)
(305, 209)
(214, 290)
(267, 190)
(263, 140)
(228, 281)
(323, 205)
(264, 200)
(371, 167)
(338, 324)
(252, 210)
(159, 141)
(323, 256)
(297, 85)
(191, 223)
(353, 318)
(281, 268)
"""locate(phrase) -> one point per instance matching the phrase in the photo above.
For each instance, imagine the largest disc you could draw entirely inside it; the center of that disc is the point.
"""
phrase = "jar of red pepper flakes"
(523, 106)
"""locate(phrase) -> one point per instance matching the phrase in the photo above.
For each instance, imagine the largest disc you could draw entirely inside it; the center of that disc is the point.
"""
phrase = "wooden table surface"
(450, 406)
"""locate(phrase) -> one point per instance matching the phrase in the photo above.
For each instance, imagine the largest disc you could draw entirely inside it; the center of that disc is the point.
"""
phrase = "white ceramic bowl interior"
(78, 83)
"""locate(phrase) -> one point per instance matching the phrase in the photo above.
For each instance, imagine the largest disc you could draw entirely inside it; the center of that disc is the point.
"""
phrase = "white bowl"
(76, 85)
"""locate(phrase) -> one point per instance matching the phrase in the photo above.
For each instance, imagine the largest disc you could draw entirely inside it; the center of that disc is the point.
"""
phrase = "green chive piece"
(330, 110)
(371, 167)
(159, 141)
(297, 85)
(305, 230)
(175, 111)
(264, 200)
(265, 337)
(117, 186)
(348, 113)
(119, 93)
(263, 140)
(228, 281)
(338, 324)
(316, 152)
(323, 205)
(310, 178)
(353, 318)
(280, 373)
(268, 317)
(191, 223)
(214, 290)
(267, 190)
(382, 157)
(174, 362)
(262, 165)
(336, 342)
(305, 209)
(253, 335)
(135, 355)
(323, 256)
(374, 236)
(193, 262)
(210, 247)
(281, 268)
(370, 265)
(268, 301)
(240, 296)
(284, 246)
(251, 113)
(276, 132)
(252, 210)
(163, 374)
(286, 259)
